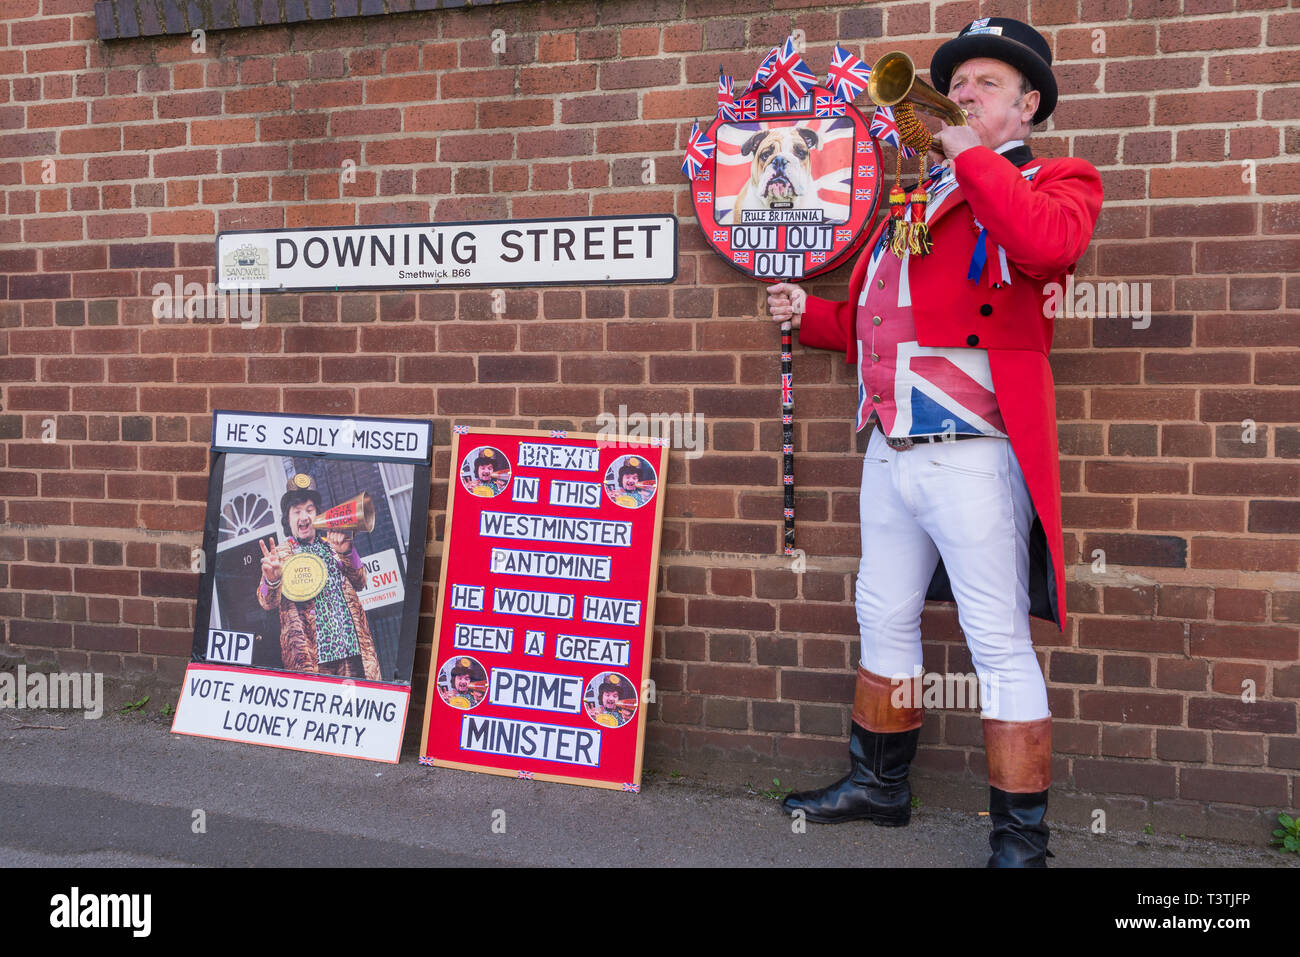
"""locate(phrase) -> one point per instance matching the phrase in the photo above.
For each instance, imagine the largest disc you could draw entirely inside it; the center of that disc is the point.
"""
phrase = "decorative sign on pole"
(589, 250)
(541, 648)
(312, 558)
(784, 181)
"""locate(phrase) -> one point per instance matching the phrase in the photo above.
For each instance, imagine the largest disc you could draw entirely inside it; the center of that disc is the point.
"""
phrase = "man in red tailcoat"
(961, 479)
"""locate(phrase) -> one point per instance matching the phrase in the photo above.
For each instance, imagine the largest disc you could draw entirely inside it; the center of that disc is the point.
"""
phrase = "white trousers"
(965, 502)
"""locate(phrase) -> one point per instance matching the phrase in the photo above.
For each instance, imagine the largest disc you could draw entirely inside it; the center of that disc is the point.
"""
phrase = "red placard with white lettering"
(541, 649)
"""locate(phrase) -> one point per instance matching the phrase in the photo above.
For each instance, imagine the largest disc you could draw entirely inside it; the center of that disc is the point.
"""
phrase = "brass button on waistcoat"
(876, 320)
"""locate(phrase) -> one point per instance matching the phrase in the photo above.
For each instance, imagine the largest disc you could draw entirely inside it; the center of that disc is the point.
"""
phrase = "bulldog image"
(780, 171)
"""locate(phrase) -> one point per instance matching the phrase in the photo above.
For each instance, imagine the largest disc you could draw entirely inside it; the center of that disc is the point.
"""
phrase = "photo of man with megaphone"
(313, 582)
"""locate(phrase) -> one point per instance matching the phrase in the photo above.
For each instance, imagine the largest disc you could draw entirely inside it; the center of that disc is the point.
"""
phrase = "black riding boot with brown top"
(882, 744)
(1020, 773)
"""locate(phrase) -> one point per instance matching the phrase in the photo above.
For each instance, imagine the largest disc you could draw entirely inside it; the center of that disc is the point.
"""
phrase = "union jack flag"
(866, 172)
(525, 775)
(702, 176)
(843, 235)
(726, 96)
(559, 434)
(788, 449)
(885, 128)
(740, 257)
(699, 148)
(789, 513)
(848, 76)
(862, 194)
(426, 760)
(787, 388)
(864, 147)
(786, 357)
(763, 72)
(827, 107)
(705, 196)
(460, 429)
(747, 109)
(789, 479)
(817, 258)
(632, 788)
(719, 235)
(790, 77)
(787, 420)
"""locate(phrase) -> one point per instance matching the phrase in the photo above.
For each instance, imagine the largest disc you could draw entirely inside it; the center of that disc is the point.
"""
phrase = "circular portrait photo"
(610, 700)
(462, 682)
(630, 481)
(485, 471)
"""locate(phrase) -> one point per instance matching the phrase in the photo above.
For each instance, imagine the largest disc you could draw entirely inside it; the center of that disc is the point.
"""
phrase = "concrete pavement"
(124, 791)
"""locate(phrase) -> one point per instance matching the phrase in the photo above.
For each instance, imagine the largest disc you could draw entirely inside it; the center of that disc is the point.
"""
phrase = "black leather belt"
(906, 442)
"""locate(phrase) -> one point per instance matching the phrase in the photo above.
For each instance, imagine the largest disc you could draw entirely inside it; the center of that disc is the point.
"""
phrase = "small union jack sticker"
(817, 258)
(789, 479)
(866, 172)
(843, 235)
(787, 388)
(702, 176)
(787, 420)
(747, 109)
(704, 197)
(740, 257)
(719, 235)
(789, 550)
(864, 148)
(862, 194)
(525, 775)
(789, 513)
(786, 357)
(788, 449)
(426, 760)
(632, 788)
(559, 434)
(460, 429)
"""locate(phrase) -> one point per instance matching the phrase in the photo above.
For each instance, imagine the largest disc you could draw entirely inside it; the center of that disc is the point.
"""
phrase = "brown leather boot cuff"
(1019, 754)
(882, 705)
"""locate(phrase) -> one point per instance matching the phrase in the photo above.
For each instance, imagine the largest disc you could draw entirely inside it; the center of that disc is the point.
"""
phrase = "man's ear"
(1032, 99)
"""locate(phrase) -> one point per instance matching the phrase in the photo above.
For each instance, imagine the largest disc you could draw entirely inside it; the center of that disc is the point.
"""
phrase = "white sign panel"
(349, 718)
(319, 435)
(522, 252)
(383, 581)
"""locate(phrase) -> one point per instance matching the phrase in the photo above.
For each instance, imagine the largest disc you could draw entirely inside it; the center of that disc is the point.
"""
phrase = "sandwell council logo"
(246, 263)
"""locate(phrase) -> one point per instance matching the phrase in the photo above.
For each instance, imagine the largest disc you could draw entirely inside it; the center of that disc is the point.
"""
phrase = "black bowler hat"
(1000, 38)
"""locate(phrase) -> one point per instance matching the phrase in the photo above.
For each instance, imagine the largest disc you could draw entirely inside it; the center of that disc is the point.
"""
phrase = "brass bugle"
(355, 513)
(894, 81)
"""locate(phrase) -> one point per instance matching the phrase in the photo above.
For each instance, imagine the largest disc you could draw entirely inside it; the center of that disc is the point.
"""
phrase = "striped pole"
(787, 432)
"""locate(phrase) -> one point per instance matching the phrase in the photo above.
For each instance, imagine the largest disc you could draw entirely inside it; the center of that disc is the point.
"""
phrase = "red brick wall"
(155, 148)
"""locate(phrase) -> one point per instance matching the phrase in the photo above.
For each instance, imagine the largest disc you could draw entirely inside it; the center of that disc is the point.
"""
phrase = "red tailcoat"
(1044, 223)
